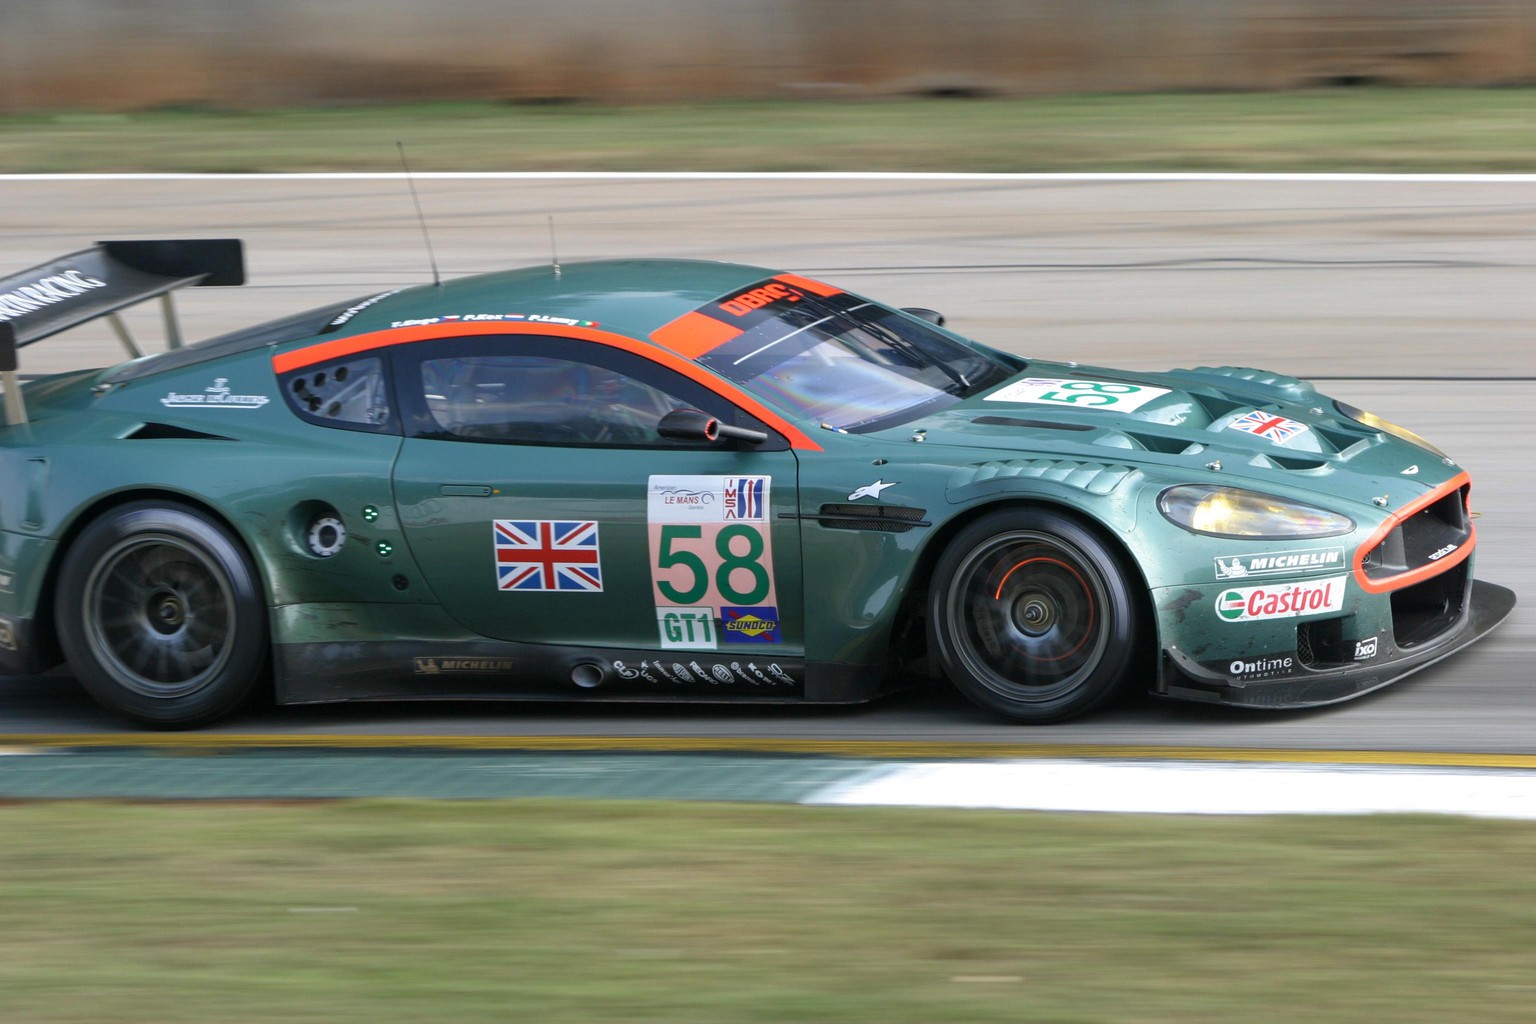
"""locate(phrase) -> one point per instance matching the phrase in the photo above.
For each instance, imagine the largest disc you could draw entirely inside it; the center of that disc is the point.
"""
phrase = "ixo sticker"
(751, 625)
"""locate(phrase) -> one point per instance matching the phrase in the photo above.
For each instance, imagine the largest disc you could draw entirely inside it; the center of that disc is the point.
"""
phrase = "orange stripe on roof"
(325, 351)
(693, 334)
(806, 284)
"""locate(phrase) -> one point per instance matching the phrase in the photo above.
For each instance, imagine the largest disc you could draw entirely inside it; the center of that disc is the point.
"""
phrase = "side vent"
(874, 518)
(169, 431)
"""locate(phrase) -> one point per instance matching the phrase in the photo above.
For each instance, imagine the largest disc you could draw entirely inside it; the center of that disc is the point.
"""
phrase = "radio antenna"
(420, 217)
(554, 254)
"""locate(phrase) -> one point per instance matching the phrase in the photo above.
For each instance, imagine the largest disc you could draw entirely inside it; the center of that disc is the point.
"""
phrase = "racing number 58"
(731, 562)
(1083, 392)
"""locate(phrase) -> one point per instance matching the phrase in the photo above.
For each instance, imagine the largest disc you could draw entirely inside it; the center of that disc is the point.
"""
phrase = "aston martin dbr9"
(688, 481)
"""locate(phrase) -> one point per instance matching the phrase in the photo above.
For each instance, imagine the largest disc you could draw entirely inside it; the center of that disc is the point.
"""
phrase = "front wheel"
(161, 614)
(1033, 615)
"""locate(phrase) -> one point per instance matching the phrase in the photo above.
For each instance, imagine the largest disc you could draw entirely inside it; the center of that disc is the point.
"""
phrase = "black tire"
(161, 614)
(1034, 617)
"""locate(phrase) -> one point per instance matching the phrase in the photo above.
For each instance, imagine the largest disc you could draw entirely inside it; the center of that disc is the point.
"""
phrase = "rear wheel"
(161, 614)
(1033, 615)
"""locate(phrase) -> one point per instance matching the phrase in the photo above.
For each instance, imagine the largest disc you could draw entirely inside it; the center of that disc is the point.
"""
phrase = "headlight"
(1375, 422)
(1233, 512)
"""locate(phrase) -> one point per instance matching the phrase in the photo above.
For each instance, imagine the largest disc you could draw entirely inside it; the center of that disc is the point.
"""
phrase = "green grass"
(584, 912)
(1327, 130)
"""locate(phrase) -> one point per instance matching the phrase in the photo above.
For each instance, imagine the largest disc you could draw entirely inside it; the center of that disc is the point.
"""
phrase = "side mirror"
(933, 316)
(694, 425)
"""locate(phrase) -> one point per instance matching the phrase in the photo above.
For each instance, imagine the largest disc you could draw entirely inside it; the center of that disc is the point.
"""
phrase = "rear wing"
(101, 282)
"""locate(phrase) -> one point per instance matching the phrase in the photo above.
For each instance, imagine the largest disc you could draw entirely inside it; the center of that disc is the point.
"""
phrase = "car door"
(544, 507)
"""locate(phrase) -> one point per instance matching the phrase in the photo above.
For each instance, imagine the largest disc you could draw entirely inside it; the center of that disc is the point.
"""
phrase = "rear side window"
(351, 394)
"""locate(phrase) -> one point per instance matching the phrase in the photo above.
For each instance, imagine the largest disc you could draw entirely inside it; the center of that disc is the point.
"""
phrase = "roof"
(628, 297)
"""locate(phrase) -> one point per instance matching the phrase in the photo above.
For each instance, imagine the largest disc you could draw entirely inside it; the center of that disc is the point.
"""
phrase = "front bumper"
(1295, 685)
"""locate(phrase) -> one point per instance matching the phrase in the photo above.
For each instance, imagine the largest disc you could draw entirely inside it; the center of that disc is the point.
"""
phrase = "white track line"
(1192, 788)
(865, 176)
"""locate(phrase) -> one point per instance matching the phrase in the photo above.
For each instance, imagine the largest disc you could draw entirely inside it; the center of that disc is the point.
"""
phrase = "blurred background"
(135, 54)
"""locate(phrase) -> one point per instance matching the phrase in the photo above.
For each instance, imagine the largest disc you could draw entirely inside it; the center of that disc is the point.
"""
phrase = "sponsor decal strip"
(707, 328)
(297, 359)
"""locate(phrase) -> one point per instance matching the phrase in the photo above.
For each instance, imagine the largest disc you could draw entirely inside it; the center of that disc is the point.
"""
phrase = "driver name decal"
(1074, 393)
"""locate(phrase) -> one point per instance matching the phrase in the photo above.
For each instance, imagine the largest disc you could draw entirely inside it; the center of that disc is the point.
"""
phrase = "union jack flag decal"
(547, 554)
(1275, 428)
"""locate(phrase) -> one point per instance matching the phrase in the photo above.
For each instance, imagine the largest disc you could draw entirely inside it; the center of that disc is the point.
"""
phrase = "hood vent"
(169, 431)
(1288, 463)
(1014, 421)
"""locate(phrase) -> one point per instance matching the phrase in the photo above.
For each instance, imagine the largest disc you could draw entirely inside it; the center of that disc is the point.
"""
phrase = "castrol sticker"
(1284, 601)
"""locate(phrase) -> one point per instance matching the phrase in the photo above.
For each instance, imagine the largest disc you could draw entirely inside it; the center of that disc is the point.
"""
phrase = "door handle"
(466, 490)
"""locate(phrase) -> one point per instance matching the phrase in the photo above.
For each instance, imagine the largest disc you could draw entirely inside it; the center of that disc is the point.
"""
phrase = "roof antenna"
(421, 217)
(554, 255)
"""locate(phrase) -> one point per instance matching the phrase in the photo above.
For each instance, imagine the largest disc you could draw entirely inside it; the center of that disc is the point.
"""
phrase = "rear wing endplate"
(101, 282)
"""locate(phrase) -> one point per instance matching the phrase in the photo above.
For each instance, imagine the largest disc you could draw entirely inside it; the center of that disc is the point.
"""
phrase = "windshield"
(843, 361)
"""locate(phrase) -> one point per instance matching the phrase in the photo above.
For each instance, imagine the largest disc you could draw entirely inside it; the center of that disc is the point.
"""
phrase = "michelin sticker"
(217, 395)
(711, 548)
(1280, 563)
(1110, 396)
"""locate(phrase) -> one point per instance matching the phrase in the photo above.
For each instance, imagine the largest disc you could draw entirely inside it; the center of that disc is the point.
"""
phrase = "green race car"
(688, 481)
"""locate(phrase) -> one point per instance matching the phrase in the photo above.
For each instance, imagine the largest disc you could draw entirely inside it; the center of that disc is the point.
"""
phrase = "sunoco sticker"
(1281, 601)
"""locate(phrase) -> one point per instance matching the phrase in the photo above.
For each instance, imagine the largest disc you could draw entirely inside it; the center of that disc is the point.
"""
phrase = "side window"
(548, 391)
(352, 395)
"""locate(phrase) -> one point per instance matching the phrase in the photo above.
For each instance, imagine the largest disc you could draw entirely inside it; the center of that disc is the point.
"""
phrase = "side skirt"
(313, 673)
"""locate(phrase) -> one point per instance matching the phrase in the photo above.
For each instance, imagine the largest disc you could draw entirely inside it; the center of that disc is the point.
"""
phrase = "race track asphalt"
(1413, 299)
